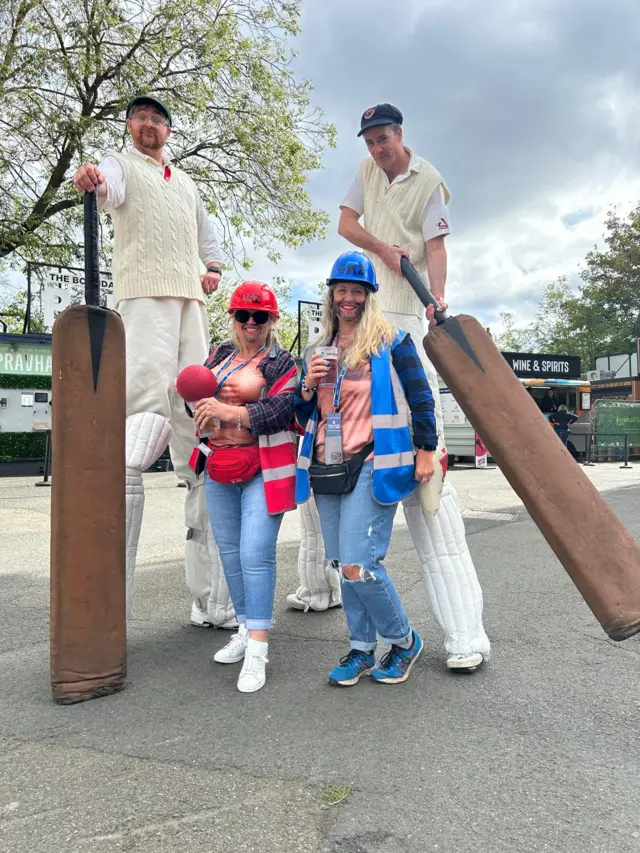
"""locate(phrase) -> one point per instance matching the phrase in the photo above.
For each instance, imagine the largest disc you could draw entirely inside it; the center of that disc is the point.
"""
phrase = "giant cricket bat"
(599, 554)
(88, 626)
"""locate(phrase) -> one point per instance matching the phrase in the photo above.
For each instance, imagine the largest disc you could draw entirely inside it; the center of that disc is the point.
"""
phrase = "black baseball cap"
(379, 115)
(150, 99)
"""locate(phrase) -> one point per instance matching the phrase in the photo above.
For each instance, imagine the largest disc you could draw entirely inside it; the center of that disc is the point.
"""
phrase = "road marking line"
(489, 516)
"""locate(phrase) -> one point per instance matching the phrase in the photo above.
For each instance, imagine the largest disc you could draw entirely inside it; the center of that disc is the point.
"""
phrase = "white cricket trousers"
(164, 335)
(451, 582)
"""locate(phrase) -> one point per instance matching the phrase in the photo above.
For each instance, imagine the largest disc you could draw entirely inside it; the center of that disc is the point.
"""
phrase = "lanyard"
(337, 389)
(233, 369)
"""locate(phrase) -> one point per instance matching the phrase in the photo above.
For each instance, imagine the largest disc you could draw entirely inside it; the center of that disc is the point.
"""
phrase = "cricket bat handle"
(91, 253)
(420, 288)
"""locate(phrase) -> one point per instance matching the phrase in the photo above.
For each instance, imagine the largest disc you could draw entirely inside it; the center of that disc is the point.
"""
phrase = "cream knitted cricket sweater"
(155, 249)
(394, 214)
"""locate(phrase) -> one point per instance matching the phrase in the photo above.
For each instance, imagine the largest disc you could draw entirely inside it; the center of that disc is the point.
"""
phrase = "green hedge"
(11, 380)
(22, 445)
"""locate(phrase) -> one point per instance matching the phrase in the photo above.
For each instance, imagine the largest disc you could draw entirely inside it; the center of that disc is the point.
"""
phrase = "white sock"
(242, 629)
(255, 647)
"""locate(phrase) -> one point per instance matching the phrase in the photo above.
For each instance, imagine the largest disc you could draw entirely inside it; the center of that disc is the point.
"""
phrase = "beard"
(351, 316)
(149, 139)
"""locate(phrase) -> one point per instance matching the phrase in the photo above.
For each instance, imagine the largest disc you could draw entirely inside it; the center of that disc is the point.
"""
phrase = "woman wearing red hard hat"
(250, 463)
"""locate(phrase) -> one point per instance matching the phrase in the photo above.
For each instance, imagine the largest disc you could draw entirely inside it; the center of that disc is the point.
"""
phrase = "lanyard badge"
(333, 437)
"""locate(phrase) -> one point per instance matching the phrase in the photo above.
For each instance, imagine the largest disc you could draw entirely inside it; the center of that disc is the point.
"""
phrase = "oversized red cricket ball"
(195, 382)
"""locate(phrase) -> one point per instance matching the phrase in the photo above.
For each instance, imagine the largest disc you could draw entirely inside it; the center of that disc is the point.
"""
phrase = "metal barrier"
(613, 447)
(47, 463)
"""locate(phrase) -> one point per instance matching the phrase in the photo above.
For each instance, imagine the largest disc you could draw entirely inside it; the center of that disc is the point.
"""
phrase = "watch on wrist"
(214, 268)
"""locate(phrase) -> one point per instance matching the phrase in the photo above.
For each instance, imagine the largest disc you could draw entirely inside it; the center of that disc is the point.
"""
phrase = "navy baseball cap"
(150, 99)
(379, 115)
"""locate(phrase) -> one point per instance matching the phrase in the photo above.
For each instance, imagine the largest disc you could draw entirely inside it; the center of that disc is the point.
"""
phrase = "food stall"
(539, 373)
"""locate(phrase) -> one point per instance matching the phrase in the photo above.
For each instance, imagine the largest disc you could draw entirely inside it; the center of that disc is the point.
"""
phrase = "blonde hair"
(372, 332)
(272, 334)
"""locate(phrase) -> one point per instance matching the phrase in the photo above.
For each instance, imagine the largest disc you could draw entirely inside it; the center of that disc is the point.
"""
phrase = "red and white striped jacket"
(278, 456)
(278, 450)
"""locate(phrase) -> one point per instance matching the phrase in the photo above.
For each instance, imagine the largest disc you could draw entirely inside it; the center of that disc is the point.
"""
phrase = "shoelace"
(251, 663)
(236, 641)
(394, 655)
(353, 656)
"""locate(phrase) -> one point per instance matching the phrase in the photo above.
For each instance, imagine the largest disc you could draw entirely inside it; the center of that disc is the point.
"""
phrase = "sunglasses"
(259, 317)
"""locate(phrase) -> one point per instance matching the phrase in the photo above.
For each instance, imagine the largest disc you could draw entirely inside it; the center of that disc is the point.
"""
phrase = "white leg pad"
(203, 570)
(146, 438)
(450, 577)
(319, 581)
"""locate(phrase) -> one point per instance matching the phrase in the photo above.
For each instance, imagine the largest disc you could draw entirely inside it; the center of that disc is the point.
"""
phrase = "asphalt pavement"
(537, 751)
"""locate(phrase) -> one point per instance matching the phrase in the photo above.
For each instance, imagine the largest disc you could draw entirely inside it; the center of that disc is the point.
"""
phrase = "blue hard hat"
(354, 267)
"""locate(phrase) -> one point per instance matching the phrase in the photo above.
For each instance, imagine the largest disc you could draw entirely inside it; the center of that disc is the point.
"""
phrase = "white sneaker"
(297, 603)
(200, 618)
(252, 676)
(235, 648)
(465, 663)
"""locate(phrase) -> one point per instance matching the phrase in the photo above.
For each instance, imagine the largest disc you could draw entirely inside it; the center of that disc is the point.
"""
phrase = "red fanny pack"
(233, 464)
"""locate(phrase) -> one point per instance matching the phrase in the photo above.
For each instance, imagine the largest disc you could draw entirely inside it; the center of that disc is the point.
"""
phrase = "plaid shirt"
(271, 414)
(418, 393)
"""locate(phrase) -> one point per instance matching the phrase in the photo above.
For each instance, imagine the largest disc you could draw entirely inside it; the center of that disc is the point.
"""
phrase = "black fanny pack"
(338, 479)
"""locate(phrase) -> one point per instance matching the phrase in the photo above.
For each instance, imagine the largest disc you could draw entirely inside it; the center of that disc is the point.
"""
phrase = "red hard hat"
(254, 296)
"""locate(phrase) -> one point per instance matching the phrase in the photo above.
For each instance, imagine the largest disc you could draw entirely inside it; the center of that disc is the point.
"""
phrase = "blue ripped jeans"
(246, 537)
(357, 532)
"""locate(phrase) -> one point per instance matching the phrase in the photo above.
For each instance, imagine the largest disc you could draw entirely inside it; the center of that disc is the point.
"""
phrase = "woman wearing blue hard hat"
(370, 437)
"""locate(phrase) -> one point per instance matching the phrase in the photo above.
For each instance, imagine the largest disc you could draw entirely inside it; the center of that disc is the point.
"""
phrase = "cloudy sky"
(529, 109)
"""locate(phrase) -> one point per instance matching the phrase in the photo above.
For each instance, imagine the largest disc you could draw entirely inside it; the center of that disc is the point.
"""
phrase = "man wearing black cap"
(403, 200)
(161, 234)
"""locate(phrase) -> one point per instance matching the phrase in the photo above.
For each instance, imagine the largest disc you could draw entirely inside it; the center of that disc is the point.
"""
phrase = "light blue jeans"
(246, 537)
(357, 532)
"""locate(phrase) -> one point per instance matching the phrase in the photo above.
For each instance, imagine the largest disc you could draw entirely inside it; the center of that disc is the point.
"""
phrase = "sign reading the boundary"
(61, 287)
(309, 323)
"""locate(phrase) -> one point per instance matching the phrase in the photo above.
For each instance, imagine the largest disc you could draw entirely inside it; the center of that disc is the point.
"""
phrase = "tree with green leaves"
(603, 317)
(610, 296)
(555, 328)
(245, 128)
(512, 338)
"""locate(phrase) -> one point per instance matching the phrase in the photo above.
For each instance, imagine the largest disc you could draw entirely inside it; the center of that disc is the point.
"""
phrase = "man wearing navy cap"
(161, 236)
(403, 200)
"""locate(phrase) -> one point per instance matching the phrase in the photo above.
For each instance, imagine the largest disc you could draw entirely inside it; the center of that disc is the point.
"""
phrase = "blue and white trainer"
(352, 667)
(395, 667)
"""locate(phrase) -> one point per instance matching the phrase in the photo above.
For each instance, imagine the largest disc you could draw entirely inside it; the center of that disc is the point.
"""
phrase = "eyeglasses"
(259, 317)
(157, 121)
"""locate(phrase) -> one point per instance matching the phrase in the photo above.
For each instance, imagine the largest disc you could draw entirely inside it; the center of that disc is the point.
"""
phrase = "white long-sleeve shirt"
(208, 246)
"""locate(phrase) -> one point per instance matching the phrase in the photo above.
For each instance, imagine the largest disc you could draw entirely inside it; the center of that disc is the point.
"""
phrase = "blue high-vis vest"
(393, 452)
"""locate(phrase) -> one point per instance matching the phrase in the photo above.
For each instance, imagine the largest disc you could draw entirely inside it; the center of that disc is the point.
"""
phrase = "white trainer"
(302, 604)
(465, 663)
(200, 618)
(253, 676)
(235, 648)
